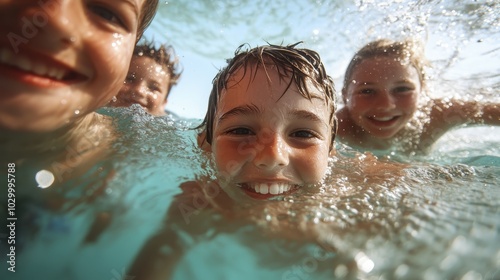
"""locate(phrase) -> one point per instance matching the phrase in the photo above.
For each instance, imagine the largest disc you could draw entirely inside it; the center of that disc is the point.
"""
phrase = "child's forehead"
(272, 80)
(147, 65)
(383, 62)
(250, 71)
(144, 59)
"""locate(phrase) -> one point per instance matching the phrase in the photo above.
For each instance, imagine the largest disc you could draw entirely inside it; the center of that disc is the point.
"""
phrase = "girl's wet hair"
(300, 65)
(163, 55)
(148, 12)
(408, 50)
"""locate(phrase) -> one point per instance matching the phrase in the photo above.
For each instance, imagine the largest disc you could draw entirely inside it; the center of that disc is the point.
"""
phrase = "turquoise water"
(438, 217)
(425, 221)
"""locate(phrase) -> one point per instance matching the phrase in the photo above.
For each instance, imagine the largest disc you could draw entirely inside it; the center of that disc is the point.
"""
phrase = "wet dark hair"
(163, 55)
(301, 65)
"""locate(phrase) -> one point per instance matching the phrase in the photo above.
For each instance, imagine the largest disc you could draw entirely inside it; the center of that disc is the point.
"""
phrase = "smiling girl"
(383, 85)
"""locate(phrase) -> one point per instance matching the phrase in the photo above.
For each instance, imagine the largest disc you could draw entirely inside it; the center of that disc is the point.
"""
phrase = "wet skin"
(60, 60)
(382, 96)
(268, 143)
(146, 84)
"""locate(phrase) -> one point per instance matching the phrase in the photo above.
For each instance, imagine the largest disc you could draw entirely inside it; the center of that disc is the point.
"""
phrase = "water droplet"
(77, 112)
(401, 271)
(341, 271)
(364, 263)
(44, 178)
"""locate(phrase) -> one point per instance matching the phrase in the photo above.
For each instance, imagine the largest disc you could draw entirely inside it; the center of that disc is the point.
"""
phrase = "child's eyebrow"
(134, 6)
(241, 110)
(405, 81)
(367, 83)
(303, 114)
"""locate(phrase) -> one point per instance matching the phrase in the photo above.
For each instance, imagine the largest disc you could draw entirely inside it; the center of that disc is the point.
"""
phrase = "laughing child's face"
(269, 140)
(382, 95)
(60, 60)
(146, 84)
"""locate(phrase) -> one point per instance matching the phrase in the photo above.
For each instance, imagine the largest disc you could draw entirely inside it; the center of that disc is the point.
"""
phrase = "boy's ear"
(332, 152)
(201, 139)
(206, 147)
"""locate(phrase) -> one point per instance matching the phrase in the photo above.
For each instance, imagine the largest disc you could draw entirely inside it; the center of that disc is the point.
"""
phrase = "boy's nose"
(273, 153)
(140, 89)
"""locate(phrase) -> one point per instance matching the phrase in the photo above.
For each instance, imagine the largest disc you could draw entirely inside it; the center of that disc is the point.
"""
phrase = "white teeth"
(55, 73)
(274, 188)
(39, 68)
(24, 63)
(383, 119)
(264, 189)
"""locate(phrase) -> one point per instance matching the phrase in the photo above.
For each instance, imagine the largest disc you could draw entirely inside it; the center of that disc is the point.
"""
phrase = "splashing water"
(435, 218)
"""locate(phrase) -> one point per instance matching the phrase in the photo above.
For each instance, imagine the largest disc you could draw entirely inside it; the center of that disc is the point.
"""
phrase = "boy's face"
(266, 142)
(382, 95)
(60, 60)
(146, 84)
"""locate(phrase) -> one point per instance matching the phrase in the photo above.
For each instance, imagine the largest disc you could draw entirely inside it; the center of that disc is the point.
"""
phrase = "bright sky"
(205, 33)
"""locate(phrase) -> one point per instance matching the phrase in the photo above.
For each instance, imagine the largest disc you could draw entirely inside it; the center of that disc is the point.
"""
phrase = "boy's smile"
(59, 60)
(146, 84)
(37, 70)
(268, 139)
(267, 190)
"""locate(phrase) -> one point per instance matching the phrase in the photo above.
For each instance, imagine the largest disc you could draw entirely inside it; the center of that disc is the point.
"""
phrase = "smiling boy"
(270, 123)
(269, 129)
(152, 74)
(72, 62)
(59, 61)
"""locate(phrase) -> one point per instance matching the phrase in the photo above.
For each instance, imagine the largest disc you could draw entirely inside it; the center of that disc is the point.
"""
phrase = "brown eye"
(129, 79)
(403, 90)
(240, 131)
(106, 14)
(302, 134)
(367, 91)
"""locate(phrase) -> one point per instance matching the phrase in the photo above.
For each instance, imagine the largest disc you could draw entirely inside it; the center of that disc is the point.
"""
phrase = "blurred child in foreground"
(53, 81)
